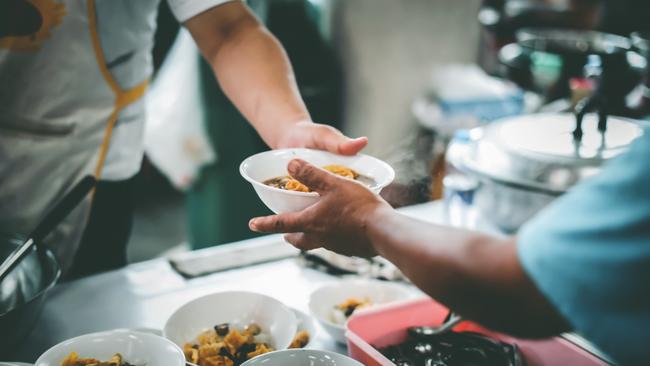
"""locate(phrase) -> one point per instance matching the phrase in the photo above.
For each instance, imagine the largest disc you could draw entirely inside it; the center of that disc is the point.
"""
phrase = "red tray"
(386, 325)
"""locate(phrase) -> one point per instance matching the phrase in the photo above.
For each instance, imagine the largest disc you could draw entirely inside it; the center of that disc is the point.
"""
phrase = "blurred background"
(410, 75)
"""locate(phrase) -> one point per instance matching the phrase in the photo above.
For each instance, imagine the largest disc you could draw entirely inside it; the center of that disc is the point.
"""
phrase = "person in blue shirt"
(582, 264)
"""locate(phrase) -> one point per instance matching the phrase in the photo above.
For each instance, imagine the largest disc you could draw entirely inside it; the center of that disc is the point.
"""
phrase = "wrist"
(374, 223)
(287, 135)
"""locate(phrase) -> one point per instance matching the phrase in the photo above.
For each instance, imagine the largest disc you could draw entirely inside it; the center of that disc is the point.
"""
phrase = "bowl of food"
(116, 348)
(332, 305)
(232, 326)
(267, 172)
(303, 357)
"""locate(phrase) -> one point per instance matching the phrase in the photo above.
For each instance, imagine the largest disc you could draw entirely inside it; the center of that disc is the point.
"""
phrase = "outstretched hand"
(338, 221)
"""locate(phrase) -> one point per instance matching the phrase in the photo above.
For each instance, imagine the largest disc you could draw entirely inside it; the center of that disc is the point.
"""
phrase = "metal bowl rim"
(57, 269)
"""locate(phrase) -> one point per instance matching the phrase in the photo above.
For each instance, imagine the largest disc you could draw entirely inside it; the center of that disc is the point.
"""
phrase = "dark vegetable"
(222, 329)
(453, 349)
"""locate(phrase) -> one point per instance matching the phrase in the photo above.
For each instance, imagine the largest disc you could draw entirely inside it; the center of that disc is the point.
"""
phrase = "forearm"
(477, 275)
(255, 73)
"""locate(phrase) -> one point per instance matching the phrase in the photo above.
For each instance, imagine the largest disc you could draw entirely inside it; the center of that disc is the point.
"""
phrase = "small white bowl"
(270, 164)
(323, 300)
(302, 357)
(237, 308)
(136, 348)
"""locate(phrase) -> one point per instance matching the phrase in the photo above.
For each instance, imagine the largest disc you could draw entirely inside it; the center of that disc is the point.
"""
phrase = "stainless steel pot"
(22, 292)
(523, 163)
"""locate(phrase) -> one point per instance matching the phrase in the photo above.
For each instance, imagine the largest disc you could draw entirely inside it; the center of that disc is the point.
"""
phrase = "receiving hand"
(338, 221)
(322, 137)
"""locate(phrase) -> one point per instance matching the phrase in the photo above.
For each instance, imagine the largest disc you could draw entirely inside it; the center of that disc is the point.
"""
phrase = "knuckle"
(279, 225)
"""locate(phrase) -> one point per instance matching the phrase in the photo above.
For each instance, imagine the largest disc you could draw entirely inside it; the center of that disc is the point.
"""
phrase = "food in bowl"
(135, 347)
(288, 183)
(224, 345)
(300, 340)
(261, 167)
(344, 310)
(73, 359)
(452, 348)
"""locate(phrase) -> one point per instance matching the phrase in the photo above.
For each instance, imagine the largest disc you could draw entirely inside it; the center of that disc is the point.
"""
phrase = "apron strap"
(122, 97)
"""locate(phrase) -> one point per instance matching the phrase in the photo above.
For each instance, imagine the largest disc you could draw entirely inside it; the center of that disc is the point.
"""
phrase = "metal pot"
(523, 163)
(23, 292)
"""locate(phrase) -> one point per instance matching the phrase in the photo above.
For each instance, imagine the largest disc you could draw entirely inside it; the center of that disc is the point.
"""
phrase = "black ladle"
(48, 223)
(452, 320)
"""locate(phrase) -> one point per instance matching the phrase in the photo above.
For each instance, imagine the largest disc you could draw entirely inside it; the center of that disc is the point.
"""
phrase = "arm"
(254, 71)
(477, 275)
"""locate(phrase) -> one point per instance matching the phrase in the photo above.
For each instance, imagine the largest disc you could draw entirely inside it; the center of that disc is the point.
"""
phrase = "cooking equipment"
(387, 325)
(49, 222)
(546, 59)
(641, 43)
(425, 331)
(525, 162)
(23, 292)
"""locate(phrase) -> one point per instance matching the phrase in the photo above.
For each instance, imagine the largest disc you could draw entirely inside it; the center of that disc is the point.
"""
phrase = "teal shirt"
(589, 253)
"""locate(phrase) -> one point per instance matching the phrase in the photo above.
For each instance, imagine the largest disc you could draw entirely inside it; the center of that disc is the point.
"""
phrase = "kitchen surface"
(324, 183)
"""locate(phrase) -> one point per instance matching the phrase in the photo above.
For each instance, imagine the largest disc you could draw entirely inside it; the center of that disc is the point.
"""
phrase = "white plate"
(137, 348)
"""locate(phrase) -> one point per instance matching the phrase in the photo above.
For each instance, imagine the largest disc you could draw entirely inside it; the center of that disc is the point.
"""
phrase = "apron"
(70, 105)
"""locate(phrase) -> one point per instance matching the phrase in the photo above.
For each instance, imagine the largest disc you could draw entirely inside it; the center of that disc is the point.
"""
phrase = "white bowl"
(237, 308)
(270, 164)
(136, 348)
(302, 357)
(323, 300)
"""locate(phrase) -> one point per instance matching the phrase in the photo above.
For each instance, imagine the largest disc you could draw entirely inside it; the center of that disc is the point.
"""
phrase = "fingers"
(330, 139)
(303, 241)
(290, 222)
(353, 146)
(315, 178)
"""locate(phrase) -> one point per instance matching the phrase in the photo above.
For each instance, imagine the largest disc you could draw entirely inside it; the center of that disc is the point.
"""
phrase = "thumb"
(316, 179)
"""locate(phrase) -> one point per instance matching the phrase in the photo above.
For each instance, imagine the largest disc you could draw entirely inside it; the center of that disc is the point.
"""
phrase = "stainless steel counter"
(144, 295)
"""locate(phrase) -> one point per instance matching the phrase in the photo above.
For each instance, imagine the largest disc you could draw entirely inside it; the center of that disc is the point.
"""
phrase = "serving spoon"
(48, 223)
(450, 322)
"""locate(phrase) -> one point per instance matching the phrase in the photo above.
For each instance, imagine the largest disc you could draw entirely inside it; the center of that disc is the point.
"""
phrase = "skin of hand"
(477, 275)
(337, 221)
(255, 73)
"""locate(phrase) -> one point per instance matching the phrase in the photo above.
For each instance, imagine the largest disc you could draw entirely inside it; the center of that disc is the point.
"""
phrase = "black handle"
(586, 105)
(63, 208)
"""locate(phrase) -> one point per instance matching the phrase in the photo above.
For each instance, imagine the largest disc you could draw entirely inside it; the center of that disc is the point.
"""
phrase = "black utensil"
(48, 223)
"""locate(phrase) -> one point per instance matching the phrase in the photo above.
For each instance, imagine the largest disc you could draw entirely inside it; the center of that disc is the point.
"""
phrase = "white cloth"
(133, 23)
(185, 9)
(175, 137)
(55, 103)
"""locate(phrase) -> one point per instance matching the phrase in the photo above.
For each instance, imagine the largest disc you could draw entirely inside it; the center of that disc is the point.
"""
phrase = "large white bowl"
(323, 300)
(270, 164)
(302, 357)
(237, 308)
(136, 348)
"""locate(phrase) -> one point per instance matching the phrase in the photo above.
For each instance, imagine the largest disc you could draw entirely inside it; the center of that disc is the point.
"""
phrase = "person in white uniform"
(72, 76)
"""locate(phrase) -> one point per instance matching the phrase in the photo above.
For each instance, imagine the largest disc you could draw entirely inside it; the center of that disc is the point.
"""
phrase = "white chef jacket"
(70, 105)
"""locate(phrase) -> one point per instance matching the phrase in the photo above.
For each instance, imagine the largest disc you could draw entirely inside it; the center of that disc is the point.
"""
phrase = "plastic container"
(386, 325)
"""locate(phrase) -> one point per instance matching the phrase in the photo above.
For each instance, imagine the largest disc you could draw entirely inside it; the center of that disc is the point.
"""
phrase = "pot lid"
(543, 151)
(572, 42)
